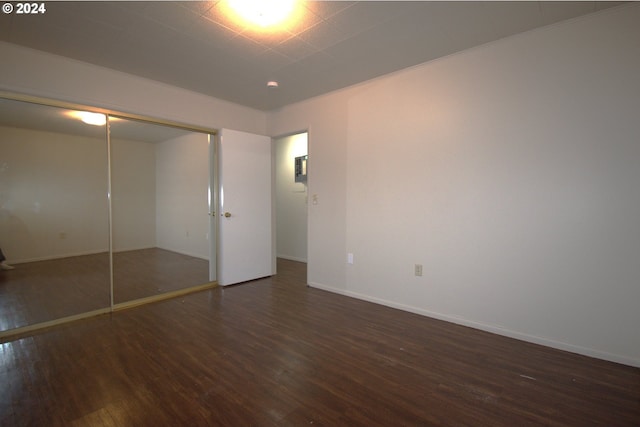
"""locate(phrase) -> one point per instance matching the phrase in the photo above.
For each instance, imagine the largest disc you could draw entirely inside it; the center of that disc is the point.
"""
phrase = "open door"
(245, 207)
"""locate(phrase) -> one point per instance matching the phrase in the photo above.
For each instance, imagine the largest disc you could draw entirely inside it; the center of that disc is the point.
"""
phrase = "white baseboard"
(184, 253)
(57, 256)
(132, 248)
(486, 327)
(292, 258)
(116, 251)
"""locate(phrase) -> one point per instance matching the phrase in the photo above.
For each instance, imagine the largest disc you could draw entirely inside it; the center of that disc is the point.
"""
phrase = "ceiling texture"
(193, 45)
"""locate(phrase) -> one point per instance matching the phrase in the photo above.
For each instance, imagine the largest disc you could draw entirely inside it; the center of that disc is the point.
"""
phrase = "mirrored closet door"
(160, 205)
(99, 212)
(54, 225)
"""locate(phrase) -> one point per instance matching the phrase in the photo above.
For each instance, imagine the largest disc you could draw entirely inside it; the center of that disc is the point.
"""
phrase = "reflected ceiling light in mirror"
(264, 15)
(94, 119)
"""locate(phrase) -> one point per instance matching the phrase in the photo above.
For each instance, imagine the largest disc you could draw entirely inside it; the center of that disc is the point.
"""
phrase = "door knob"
(227, 214)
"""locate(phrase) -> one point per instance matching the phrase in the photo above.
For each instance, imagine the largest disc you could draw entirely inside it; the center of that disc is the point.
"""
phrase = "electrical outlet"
(349, 258)
(418, 270)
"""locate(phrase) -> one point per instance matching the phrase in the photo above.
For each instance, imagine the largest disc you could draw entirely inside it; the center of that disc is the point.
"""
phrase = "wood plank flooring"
(46, 290)
(153, 271)
(41, 291)
(274, 352)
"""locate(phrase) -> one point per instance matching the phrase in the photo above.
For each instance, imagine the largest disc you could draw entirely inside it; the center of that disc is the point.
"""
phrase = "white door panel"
(246, 235)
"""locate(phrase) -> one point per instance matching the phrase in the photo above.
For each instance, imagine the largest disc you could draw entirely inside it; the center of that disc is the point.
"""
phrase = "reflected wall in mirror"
(160, 205)
(53, 215)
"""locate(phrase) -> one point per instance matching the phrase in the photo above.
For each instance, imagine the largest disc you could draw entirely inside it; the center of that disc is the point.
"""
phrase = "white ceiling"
(336, 44)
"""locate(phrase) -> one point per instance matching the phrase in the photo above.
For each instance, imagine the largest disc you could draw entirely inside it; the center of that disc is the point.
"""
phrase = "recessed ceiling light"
(272, 83)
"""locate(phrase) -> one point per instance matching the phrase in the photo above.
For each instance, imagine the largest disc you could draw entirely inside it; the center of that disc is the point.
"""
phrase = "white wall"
(41, 74)
(182, 183)
(510, 171)
(326, 119)
(133, 190)
(53, 194)
(291, 199)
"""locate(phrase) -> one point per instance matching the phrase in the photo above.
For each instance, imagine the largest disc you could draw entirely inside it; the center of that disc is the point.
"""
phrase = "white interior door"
(245, 212)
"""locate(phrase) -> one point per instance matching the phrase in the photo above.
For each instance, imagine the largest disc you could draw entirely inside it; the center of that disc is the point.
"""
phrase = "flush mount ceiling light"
(94, 119)
(263, 14)
(272, 83)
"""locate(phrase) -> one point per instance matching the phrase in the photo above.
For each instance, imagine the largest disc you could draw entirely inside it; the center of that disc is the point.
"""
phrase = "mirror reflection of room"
(55, 221)
(159, 187)
(53, 215)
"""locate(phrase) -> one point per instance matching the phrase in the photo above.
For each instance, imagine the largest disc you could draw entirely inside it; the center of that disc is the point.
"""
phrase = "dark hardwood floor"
(47, 290)
(146, 272)
(41, 291)
(274, 352)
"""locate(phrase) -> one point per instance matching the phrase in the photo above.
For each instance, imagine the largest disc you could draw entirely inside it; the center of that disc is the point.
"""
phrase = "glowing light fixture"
(263, 14)
(94, 119)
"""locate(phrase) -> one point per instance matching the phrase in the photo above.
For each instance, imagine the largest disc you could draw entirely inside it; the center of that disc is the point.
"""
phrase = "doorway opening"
(291, 196)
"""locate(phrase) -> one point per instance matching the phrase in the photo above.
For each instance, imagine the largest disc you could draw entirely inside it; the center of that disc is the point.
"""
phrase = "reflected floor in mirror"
(274, 352)
(41, 291)
(147, 272)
